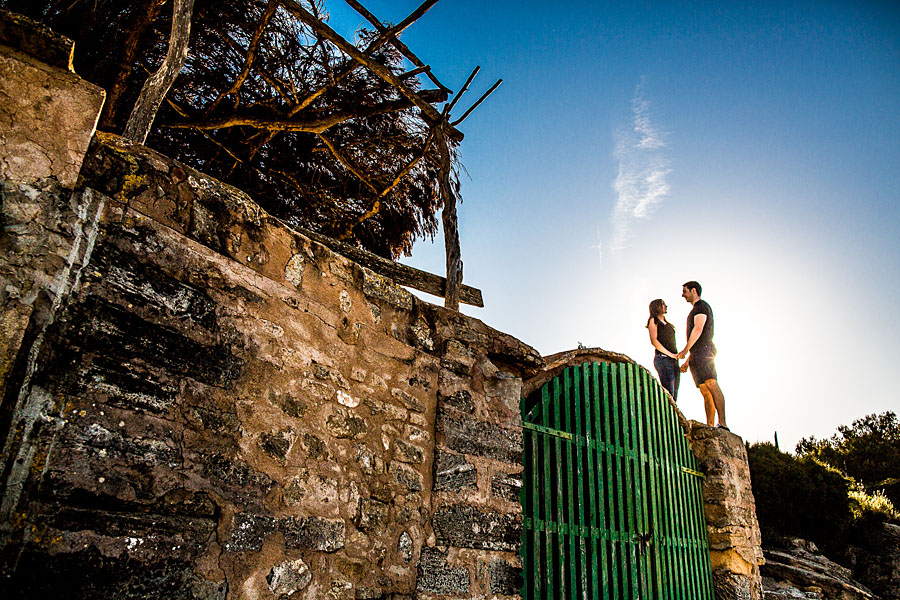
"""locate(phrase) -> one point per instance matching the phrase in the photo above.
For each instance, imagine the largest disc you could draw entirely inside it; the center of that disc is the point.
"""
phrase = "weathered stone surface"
(468, 435)
(461, 400)
(277, 444)
(464, 526)
(208, 396)
(409, 453)
(801, 566)
(506, 579)
(877, 564)
(313, 533)
(371, 514)
(289, 577)
(507, 486)
(453, 472)
(406, 476)
(343, 425)
(404, 546)
(48, 114)
(248, 532)
(731, 524)
(436, 576)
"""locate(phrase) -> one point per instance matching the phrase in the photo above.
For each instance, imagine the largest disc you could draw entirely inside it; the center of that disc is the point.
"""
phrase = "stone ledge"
(39, 42)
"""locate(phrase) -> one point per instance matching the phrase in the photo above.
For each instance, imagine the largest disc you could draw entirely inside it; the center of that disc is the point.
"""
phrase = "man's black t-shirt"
(705, 342)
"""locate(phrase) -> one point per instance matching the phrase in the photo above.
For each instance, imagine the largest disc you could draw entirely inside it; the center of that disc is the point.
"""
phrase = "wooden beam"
(395, 41)
(327, 33)
(400, 274)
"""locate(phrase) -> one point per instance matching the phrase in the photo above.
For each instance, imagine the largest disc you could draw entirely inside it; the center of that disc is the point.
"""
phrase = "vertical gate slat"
(547, 486)
(612, 466)
(692, 482)
(565, 424)
(632, 491)
(581, 449)
(674, 432)
(665, 523)
(589, 391)
(602, 463)
(672, 529)
(647, 388)
(560, 450)
(641, 478)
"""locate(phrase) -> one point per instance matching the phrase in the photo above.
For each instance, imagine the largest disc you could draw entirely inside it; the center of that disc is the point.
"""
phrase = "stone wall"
(731, 524)
(225, 408)
(199, 402)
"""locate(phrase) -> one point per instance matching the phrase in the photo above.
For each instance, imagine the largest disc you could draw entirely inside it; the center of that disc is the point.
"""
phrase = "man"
(702, 353)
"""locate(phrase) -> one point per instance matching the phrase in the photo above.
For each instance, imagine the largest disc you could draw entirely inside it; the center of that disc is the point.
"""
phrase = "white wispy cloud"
(642, 181)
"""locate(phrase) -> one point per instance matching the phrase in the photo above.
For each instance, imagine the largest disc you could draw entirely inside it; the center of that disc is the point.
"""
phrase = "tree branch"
(394, 41)
(157, 86)
(271, 7)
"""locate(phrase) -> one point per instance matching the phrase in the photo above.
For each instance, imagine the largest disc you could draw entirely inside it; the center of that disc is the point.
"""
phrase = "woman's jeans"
(669, 375)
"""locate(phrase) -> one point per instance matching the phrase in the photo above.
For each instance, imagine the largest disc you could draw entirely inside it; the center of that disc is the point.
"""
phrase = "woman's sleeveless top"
(665, 333)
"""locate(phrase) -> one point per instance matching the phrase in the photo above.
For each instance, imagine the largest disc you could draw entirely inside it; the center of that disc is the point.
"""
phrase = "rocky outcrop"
(800, 571)
(878, 563)
(734, 537)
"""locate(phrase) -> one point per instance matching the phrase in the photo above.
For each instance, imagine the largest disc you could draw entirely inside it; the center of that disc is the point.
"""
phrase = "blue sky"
(752, 146)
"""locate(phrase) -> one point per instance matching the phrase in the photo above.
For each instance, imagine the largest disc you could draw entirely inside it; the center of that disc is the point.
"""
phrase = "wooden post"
(451, 229)
(157, 86)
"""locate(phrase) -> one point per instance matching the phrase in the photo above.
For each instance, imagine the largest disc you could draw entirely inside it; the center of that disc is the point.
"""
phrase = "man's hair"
(693, 285)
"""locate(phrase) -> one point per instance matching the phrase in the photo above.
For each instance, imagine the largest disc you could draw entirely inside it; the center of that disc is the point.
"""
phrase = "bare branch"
(380, 70)
(346, 162)
(463, 90)
(311, 125)
(394, 41)
(250, 56)
(376, 206)
(477, 102)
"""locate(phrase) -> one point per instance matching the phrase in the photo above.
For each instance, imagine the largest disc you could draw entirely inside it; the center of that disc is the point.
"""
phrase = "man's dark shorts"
(703, 365)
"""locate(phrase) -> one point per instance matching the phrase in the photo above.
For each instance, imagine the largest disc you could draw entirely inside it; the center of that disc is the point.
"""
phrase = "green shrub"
(876, 505)
(799, 497)
(868, 450)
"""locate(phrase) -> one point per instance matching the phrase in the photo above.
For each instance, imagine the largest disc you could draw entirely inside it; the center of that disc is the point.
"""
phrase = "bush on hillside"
(868, 451)
(799, 497)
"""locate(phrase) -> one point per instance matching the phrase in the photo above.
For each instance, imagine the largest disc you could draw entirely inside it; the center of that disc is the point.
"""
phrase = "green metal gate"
(611, 494)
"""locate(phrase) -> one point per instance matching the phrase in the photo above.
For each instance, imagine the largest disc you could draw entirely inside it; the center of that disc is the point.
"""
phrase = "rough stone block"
(461, 400)
(248, 532)
(371, 514)
(436, 576)
(289, 577)
(408, 453)
(464, 526)
(49, 115)
(507, 486)
(506, 579)
(453, 472)
(406, 476)
(313, 533)
(469, 435)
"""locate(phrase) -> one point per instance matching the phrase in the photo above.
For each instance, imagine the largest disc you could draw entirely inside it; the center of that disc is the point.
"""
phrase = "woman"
(662, 336)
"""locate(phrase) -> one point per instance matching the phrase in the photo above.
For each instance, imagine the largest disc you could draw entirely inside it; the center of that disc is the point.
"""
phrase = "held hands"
(682, 354)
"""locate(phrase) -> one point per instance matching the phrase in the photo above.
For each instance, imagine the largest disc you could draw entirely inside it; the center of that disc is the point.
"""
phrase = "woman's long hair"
(655, 309)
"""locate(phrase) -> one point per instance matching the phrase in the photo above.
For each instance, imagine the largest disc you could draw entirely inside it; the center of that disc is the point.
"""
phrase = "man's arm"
(699, 323)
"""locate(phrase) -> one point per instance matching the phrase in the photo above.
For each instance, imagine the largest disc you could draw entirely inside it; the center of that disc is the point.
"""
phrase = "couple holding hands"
(699, 351)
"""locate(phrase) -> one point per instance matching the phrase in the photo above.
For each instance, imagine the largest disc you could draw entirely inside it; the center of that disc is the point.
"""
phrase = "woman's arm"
(651, 326)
